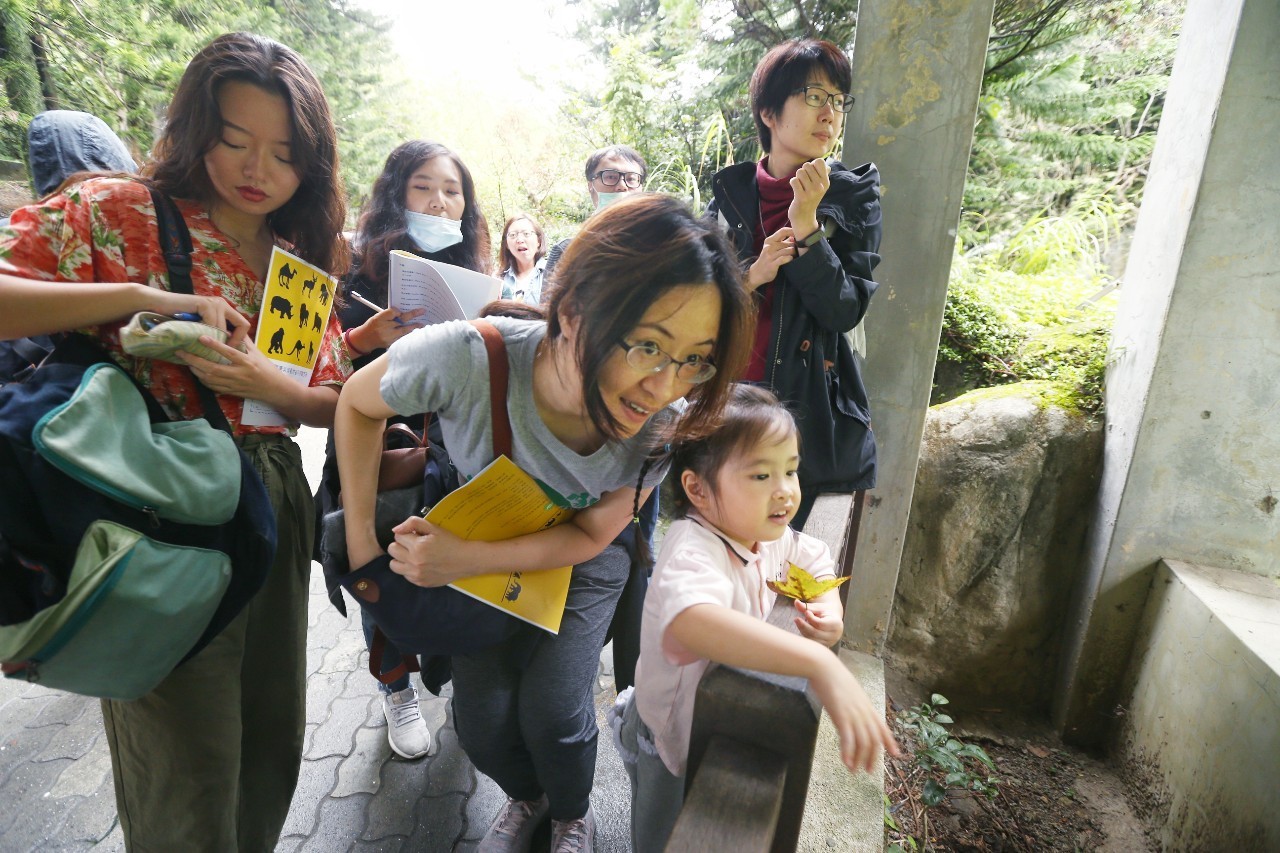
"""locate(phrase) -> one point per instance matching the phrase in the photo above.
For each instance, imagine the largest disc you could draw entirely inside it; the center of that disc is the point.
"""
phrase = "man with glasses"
(611, 172)
(807, 230)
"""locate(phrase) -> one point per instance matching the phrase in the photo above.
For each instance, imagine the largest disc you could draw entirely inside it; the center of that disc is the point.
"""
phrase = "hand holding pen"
(385, 327)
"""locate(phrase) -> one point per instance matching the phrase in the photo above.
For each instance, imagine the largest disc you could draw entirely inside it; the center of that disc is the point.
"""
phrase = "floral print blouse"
(104, 230)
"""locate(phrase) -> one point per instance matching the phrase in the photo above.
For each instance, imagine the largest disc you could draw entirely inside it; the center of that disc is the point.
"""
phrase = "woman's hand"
(863, 731)
(809, 185)
(820, 620)
(427, 555)
(249, 373)
(779, 248)
(213, 310)
(385, 328)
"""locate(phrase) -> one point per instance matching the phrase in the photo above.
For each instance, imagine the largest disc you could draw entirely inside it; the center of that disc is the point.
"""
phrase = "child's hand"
(863, 731)
(820, 620)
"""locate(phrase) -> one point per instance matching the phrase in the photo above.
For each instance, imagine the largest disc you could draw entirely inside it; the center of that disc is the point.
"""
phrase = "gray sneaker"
(512, 829)
(406, 730)
(574, 836)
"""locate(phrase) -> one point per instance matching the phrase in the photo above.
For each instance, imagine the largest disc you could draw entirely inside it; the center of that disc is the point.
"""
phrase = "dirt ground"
(1050, 796)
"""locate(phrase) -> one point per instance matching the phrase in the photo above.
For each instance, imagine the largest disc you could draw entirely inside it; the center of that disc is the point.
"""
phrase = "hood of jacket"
(63, 142)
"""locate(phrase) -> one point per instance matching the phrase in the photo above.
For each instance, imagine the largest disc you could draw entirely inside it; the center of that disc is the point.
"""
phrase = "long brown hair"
(312, 218)
(384, 226)
(624, 259)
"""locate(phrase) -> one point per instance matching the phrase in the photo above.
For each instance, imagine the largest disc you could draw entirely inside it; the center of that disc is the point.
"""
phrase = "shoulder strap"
(499, 371)
(175, 245)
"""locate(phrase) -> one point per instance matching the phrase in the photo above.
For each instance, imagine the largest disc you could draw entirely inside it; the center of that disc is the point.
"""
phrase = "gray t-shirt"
(443, 368)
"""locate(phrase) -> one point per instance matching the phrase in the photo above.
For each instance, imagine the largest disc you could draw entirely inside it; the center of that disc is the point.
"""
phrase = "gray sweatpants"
(657, 795)
(526, 718)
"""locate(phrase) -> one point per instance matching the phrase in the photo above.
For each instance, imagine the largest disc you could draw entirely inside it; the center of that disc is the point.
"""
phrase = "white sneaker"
(574, 836)
(512, 830)
(406, 730)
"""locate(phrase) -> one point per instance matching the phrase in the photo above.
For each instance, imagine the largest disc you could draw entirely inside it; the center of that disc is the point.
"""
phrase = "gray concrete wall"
(1201, 734)
(917, 72)
(1192, 461)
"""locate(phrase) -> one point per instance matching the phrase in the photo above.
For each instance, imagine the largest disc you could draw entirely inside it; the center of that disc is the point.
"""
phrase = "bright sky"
(493, 43)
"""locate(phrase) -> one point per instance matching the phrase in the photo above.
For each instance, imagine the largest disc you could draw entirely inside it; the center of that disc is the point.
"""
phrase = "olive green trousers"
(209, 759)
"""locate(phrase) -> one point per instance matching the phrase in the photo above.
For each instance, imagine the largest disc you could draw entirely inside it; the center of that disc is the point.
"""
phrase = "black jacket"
(817, 297)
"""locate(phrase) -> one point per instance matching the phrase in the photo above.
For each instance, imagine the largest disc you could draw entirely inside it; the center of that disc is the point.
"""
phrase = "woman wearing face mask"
(424, 202)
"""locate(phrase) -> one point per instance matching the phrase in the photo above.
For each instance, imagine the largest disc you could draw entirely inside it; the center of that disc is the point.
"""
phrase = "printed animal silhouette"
(303, 316)
(513, 590)
(324, 294)
(297, 349)
(286, 275)
(317, 322)
(308, 286)
(281, 306)
(311, 353)
(277, 342)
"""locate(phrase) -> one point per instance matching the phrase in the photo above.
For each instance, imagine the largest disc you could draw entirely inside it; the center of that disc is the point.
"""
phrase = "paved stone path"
(353, 792)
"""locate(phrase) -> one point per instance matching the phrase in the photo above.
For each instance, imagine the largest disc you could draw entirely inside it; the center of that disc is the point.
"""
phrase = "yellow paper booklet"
(296, 305)
(502, 502)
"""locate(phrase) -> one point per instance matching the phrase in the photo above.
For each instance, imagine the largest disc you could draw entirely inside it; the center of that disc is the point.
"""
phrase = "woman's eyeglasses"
(818, 97)
(610, 178)
(528, 235)
(646, 357)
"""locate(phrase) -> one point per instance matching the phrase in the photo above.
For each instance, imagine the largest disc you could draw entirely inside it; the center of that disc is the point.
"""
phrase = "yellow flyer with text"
(502, 502)
(296, 305)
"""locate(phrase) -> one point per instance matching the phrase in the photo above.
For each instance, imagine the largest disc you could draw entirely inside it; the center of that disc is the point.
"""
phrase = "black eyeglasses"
(610, 178)
(818, 97)
(646, 357)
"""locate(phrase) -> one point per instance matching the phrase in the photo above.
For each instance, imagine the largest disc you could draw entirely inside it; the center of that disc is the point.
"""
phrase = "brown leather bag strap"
(377, 651)
(499, 370)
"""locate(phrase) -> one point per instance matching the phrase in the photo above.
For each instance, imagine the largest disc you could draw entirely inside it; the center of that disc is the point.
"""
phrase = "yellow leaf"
(802, 586)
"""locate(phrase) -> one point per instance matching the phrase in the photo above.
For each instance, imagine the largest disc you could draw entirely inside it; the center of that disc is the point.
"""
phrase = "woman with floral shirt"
(209, 759)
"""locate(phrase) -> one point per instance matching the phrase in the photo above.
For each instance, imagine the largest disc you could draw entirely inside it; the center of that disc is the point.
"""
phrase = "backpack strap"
(499, 372)
(175, 245)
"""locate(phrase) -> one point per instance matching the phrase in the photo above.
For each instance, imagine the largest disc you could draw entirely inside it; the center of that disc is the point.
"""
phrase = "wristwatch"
(811, 239)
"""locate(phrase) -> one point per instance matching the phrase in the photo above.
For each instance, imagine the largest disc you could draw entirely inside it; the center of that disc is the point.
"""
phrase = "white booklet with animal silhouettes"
(502, 502)
(447, 292)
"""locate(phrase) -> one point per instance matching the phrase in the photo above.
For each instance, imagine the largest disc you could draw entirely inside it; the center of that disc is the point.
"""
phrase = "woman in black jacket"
(808, 228)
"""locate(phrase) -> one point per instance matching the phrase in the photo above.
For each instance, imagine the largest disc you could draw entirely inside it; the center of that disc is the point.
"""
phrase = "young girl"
(520, 257)
(423, 202)
(810, 229)
(736, 492)
(648, 308)
(210, 758)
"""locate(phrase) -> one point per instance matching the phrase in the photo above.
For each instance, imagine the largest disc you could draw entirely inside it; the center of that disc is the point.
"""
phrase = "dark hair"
(752, 415)
(507, 261)
(512, 308)
(786, 68)
(312, 217)
(625, 258)
(613, 151)
(383, 226)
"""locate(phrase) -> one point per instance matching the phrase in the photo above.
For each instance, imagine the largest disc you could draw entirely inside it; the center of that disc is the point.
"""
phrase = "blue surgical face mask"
(603, 200)
(433, 233)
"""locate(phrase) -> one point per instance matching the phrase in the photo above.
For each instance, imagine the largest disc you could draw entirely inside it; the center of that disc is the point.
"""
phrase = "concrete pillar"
(1191, 468)
(917, 72)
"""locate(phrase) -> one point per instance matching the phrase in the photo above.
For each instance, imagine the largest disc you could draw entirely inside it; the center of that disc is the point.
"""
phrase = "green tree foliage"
(120, 60)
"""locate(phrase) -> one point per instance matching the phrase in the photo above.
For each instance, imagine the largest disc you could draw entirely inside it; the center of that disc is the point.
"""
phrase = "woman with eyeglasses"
(423, 202)
(648, 308)
(521, 257)
(808, 229)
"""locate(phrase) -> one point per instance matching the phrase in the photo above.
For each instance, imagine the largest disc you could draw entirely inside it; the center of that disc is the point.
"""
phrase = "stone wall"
(1003, 498)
